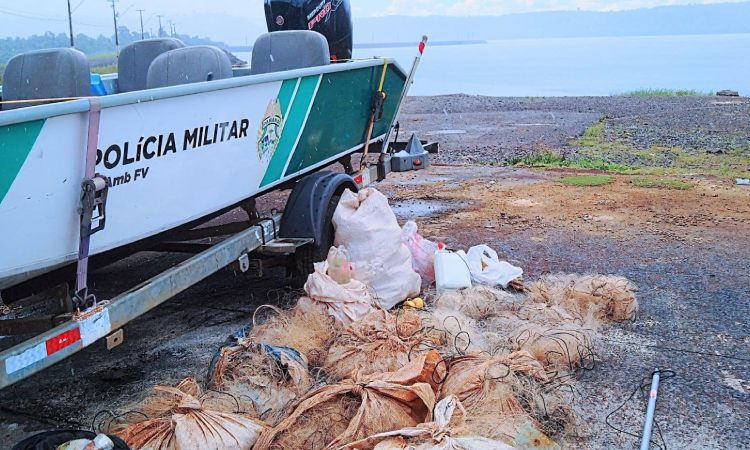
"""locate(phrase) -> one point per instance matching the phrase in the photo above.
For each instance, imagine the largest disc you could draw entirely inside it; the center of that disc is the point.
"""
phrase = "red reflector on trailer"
(358, 180)
(63, 340)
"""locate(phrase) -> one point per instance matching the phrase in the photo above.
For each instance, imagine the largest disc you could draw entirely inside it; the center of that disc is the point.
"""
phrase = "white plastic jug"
(451, 270)
(339, 266)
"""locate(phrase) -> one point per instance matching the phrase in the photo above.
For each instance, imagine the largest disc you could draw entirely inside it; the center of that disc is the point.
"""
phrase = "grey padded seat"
(136, 58)
(189, 65)
(288, 50)
(49, 73)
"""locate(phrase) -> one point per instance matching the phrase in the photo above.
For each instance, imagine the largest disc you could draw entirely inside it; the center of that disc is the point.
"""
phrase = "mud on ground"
(686, 249)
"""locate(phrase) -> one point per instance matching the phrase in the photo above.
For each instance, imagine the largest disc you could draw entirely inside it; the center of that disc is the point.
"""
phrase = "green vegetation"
(666, 93)
(555, 160)
(664, 183)
(593, 152)
(96, 48)
(103, 70)
(587, 180)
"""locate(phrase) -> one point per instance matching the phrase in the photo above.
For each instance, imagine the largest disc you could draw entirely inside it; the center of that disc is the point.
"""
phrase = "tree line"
(101, 45)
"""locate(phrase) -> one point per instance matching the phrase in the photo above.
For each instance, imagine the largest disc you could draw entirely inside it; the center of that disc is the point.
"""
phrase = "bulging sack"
(346, 303)
(383, 402)
(367, 227)
(185, 425)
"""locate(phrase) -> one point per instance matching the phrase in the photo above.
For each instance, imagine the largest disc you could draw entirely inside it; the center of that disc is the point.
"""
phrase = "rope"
(382, 78)
(372, 117)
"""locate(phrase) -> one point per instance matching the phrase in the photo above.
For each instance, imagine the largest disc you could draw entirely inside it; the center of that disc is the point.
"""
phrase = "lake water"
(580, 66)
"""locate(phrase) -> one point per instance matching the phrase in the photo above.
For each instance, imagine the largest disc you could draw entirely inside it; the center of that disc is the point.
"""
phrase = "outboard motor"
(331, 18)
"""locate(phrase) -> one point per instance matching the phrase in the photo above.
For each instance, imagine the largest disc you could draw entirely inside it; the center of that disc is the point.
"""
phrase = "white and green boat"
(175, 154)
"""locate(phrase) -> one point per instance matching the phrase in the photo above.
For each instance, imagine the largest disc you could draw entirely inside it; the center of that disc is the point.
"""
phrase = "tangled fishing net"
(265, 379)
(380, 342)
(304, 328)
(478, 302)
(353, 409)
(449, 418)
(590, 297)
(178, 420)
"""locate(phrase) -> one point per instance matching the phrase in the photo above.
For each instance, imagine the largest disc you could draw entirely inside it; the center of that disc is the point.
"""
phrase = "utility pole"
(171, 30)
(160, 29)
(70, 22)
(140, 11)
(114, 16)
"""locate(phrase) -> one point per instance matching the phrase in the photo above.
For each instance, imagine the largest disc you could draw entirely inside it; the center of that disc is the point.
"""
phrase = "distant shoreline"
(249, 48)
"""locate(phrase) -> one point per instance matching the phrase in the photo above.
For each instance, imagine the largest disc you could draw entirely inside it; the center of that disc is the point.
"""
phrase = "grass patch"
(587, 180)
(663, 183)
(666, 93)
(555, 160)
(546, 159)
(104, 70)
(594, 131)
(103, 56)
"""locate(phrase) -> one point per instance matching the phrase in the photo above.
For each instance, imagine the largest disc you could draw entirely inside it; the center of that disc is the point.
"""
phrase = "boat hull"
(175, 157)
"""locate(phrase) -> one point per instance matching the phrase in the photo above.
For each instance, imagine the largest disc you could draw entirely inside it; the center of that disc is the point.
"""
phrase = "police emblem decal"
(270, 131)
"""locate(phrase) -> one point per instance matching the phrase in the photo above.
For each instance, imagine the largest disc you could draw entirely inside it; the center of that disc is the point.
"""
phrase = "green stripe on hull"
(340, 116)
(293, 123)
(285, 95)
(16, 142)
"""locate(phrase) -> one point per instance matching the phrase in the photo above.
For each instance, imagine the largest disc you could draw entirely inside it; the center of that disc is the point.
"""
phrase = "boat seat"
(189, 65)
(46, 74)
(289, 50)
(136, 58)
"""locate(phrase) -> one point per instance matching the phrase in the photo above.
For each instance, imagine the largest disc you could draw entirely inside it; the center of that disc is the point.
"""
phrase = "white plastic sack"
(422, 252)
(346, 303)
(367, 227)
(487, 269)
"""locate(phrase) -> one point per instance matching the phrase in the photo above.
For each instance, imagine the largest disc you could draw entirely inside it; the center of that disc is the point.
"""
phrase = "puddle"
(414, 209)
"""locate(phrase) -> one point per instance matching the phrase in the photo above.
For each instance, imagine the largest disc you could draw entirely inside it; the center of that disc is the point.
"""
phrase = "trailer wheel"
(328, 234)
(310, 208)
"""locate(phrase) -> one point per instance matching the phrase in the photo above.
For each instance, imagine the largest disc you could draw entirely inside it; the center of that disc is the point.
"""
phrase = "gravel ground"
(475, 129)
(687, 250)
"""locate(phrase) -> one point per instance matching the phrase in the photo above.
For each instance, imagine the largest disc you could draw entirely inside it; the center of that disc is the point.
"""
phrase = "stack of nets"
(499, 362)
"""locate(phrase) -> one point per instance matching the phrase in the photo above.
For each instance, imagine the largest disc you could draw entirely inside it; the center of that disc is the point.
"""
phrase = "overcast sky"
(93, 17)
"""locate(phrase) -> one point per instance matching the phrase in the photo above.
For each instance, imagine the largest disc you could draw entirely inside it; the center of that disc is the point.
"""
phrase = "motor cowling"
(331, 18)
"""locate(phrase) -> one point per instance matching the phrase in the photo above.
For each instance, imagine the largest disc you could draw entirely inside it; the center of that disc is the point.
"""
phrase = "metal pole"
(160, 29)
(140, 11)
(407, 86)
(648, 427)
(70, 22)
(171, 31)
(114, 16)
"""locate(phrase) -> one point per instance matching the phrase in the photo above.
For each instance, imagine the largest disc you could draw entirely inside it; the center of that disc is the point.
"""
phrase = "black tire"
(320, 250)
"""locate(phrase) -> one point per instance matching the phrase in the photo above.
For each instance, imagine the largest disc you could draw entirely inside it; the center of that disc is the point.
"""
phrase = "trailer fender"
(309, 210)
